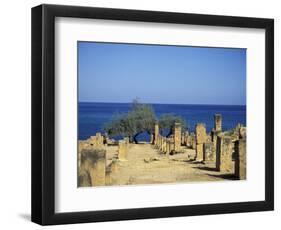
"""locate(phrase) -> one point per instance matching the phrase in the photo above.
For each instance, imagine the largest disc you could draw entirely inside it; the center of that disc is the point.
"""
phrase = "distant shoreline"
(152, 103)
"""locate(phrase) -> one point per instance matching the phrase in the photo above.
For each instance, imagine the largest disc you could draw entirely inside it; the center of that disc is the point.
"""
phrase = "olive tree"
(140, 119)
(167, 121)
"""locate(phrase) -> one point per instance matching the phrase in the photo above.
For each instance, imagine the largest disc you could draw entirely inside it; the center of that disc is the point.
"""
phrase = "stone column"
(164, 144)
(172, 146)
(183, 138)
(177, 136)
(122, 150)
(168, 147)
(200, 140)
(240, 159)
(218, 122)
(151, 138)
(224, 148)
(208, 152)
(156, 132)
(215, 132)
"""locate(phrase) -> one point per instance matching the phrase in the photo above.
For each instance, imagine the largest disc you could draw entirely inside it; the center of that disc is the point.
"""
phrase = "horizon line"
(157, 103)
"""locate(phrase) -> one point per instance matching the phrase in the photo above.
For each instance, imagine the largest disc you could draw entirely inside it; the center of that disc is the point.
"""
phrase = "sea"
(93, 115)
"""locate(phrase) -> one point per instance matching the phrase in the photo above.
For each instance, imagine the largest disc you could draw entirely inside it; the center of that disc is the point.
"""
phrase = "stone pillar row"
(168, 145)
(227, 153)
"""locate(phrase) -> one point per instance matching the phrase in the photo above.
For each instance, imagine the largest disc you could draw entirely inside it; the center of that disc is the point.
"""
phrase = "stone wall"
(92, 168)
(171, 144)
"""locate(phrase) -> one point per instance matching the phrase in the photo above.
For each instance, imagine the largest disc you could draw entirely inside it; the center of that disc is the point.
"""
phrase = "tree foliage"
(167, 122)
(140, 119)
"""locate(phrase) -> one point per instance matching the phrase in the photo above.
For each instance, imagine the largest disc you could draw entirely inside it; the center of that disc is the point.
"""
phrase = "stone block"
(122, 150)
(93, 167)
(240, 159)
(224, 152)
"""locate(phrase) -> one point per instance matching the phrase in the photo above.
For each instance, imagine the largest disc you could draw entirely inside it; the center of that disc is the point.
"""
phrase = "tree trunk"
(135, 137)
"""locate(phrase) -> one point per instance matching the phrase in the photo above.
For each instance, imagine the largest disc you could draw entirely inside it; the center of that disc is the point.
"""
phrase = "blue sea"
(92, 116)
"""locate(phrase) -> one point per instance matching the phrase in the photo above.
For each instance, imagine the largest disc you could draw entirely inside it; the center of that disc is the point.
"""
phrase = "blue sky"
(116, 72)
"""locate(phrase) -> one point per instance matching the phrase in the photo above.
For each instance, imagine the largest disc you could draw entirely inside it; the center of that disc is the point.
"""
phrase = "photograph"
(153, 114)
(142, 113)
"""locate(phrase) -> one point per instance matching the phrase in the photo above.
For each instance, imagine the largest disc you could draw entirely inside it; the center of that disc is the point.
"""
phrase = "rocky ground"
(145, 165)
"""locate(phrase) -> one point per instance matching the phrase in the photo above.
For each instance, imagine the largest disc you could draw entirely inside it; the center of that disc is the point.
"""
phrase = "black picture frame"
(43, 114)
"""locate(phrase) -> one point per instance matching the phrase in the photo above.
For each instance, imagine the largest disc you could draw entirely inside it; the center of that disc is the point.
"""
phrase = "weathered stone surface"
(122, 150)
(224, 151)
(96, 141)
(242, 132)
(214, 135)
(93, 167)
(156, 132)
(177, 137)
(208, 137)
(168, 147)
(200, 133)
(164, 145)
(208, 152)
(240, 159)
(218, 122)
(200, 152)
(200, 140)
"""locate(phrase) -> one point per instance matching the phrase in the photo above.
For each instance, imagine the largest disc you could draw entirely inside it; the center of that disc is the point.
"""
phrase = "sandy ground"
(146, 165)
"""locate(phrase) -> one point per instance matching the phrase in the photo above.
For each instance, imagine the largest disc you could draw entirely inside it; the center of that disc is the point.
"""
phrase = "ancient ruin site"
(182, 157)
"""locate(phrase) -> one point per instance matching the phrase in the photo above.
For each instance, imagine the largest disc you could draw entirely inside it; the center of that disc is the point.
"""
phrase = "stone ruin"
(177, 137)
(231, 151)
(240, 159)
(156, 133)
(168, 145)
(91, 161)
(123, 146)
(92, 167)
(226, 150)
(200, 141)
